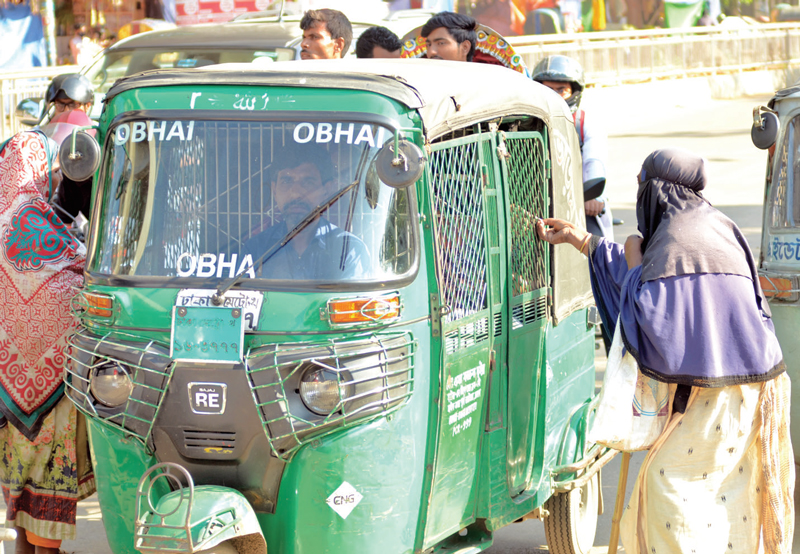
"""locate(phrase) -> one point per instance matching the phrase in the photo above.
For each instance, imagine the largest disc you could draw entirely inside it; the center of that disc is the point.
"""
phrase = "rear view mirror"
(399, 163)
(79, 156)
(765, 127)
(29, 111)
(594, 188)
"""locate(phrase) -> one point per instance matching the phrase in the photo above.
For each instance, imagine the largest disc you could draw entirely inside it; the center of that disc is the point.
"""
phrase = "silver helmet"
(562, 69)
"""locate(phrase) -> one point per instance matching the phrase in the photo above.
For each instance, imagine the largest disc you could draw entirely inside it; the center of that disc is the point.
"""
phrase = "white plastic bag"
(632, 410)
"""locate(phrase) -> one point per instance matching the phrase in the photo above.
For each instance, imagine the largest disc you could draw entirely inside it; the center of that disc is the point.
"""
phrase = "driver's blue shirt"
(333, 254)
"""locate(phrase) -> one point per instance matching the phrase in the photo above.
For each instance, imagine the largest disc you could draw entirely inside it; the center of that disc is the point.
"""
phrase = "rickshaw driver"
(450, 36)
(302, 179)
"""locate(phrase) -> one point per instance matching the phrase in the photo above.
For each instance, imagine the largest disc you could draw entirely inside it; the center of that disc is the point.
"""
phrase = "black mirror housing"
(594, 188)
(30, 111)
(79, 156)
(402, 168)
(765, 128)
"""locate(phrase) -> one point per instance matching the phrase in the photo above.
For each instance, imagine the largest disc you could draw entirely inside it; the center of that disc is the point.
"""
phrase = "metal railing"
(621, 57)
(609, 58)
(16, 86)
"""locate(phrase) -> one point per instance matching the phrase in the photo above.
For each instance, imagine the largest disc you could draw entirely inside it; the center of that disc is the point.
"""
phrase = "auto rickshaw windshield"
(297, 201)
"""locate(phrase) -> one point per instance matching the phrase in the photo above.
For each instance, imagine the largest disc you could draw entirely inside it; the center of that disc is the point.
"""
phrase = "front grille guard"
(150, 369)
(379, 368)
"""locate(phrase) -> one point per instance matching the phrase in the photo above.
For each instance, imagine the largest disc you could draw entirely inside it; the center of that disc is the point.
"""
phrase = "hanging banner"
(23, 38)
(190, 12)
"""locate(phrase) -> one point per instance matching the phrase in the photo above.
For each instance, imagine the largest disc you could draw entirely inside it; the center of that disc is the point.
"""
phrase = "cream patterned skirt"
(710, 484)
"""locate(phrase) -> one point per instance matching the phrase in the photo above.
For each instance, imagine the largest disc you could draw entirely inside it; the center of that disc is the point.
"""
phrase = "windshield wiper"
(312, 216)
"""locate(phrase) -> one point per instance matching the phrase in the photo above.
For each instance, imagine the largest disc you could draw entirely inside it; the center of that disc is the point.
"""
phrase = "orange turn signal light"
(100, 305)
(776, 287)
(364, 310)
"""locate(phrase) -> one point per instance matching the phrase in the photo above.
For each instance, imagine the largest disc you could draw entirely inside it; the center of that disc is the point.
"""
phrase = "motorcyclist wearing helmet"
(565, 76)
(67, 92)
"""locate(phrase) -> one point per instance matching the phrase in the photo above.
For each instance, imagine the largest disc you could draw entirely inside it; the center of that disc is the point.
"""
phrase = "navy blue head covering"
(693, 313)
(683, 234)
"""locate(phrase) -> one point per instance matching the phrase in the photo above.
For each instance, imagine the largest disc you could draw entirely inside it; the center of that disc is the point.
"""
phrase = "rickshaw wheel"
(572, 524)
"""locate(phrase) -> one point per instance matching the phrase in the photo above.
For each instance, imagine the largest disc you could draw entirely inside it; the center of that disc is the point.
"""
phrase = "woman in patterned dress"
(44, 469)
(691, 311)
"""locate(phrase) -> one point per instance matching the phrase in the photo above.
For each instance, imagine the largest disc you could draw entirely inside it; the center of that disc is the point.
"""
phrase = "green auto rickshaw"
(388, 360)
(776, 128)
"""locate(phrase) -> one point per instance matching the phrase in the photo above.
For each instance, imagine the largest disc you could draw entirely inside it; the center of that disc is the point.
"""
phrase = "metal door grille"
(458, 217)
(528, 312)
(467, 335)
(527, 176)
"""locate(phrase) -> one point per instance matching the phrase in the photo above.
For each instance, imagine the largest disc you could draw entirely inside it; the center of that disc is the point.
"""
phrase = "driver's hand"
(594, 207)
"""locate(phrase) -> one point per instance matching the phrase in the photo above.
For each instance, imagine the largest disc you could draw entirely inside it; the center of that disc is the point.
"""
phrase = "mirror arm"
(758, 121)
(399, 159)
(72, 154)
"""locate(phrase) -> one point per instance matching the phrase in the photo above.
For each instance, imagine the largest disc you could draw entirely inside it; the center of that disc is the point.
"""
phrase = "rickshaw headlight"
(111, 384)
(323, 390)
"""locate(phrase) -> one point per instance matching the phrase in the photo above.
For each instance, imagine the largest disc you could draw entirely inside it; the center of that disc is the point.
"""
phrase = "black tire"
(572, 524)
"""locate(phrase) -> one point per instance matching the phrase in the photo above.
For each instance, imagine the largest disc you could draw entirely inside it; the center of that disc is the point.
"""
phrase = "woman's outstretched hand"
(559, 231)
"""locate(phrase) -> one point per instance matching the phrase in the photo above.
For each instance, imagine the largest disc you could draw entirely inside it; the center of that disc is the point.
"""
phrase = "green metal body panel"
(383, 460)
(496, 386)
(568, 377)
(118, 463)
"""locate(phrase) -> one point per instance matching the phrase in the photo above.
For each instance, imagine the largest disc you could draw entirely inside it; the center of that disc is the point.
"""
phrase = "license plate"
(208, 398)
(206, 334)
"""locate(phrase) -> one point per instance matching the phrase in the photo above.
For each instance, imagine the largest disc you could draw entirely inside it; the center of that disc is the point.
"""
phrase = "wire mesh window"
(784, 200)
(459, 217)
(527, 174)
(297, 201)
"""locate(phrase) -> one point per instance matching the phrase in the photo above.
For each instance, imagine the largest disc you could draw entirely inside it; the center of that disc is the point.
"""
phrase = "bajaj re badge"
(208, 398)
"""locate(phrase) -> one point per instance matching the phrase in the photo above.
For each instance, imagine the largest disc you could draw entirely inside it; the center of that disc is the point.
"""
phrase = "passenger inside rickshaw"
(303, 180)
(206, 199)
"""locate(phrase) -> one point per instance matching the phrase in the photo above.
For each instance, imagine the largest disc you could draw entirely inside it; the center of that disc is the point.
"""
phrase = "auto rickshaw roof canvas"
(447, 96)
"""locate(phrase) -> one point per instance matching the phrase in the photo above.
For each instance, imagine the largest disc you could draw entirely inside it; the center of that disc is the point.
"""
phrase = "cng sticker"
(344, 499)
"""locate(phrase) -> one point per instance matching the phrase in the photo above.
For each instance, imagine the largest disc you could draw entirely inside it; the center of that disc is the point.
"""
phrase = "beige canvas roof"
(448, 95)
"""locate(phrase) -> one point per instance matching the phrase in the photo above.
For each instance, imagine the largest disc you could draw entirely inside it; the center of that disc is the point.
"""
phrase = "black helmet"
(564, 70)
(72, 86)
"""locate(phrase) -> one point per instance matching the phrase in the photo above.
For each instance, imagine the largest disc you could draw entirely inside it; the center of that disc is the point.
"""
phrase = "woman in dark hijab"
(691, 312)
